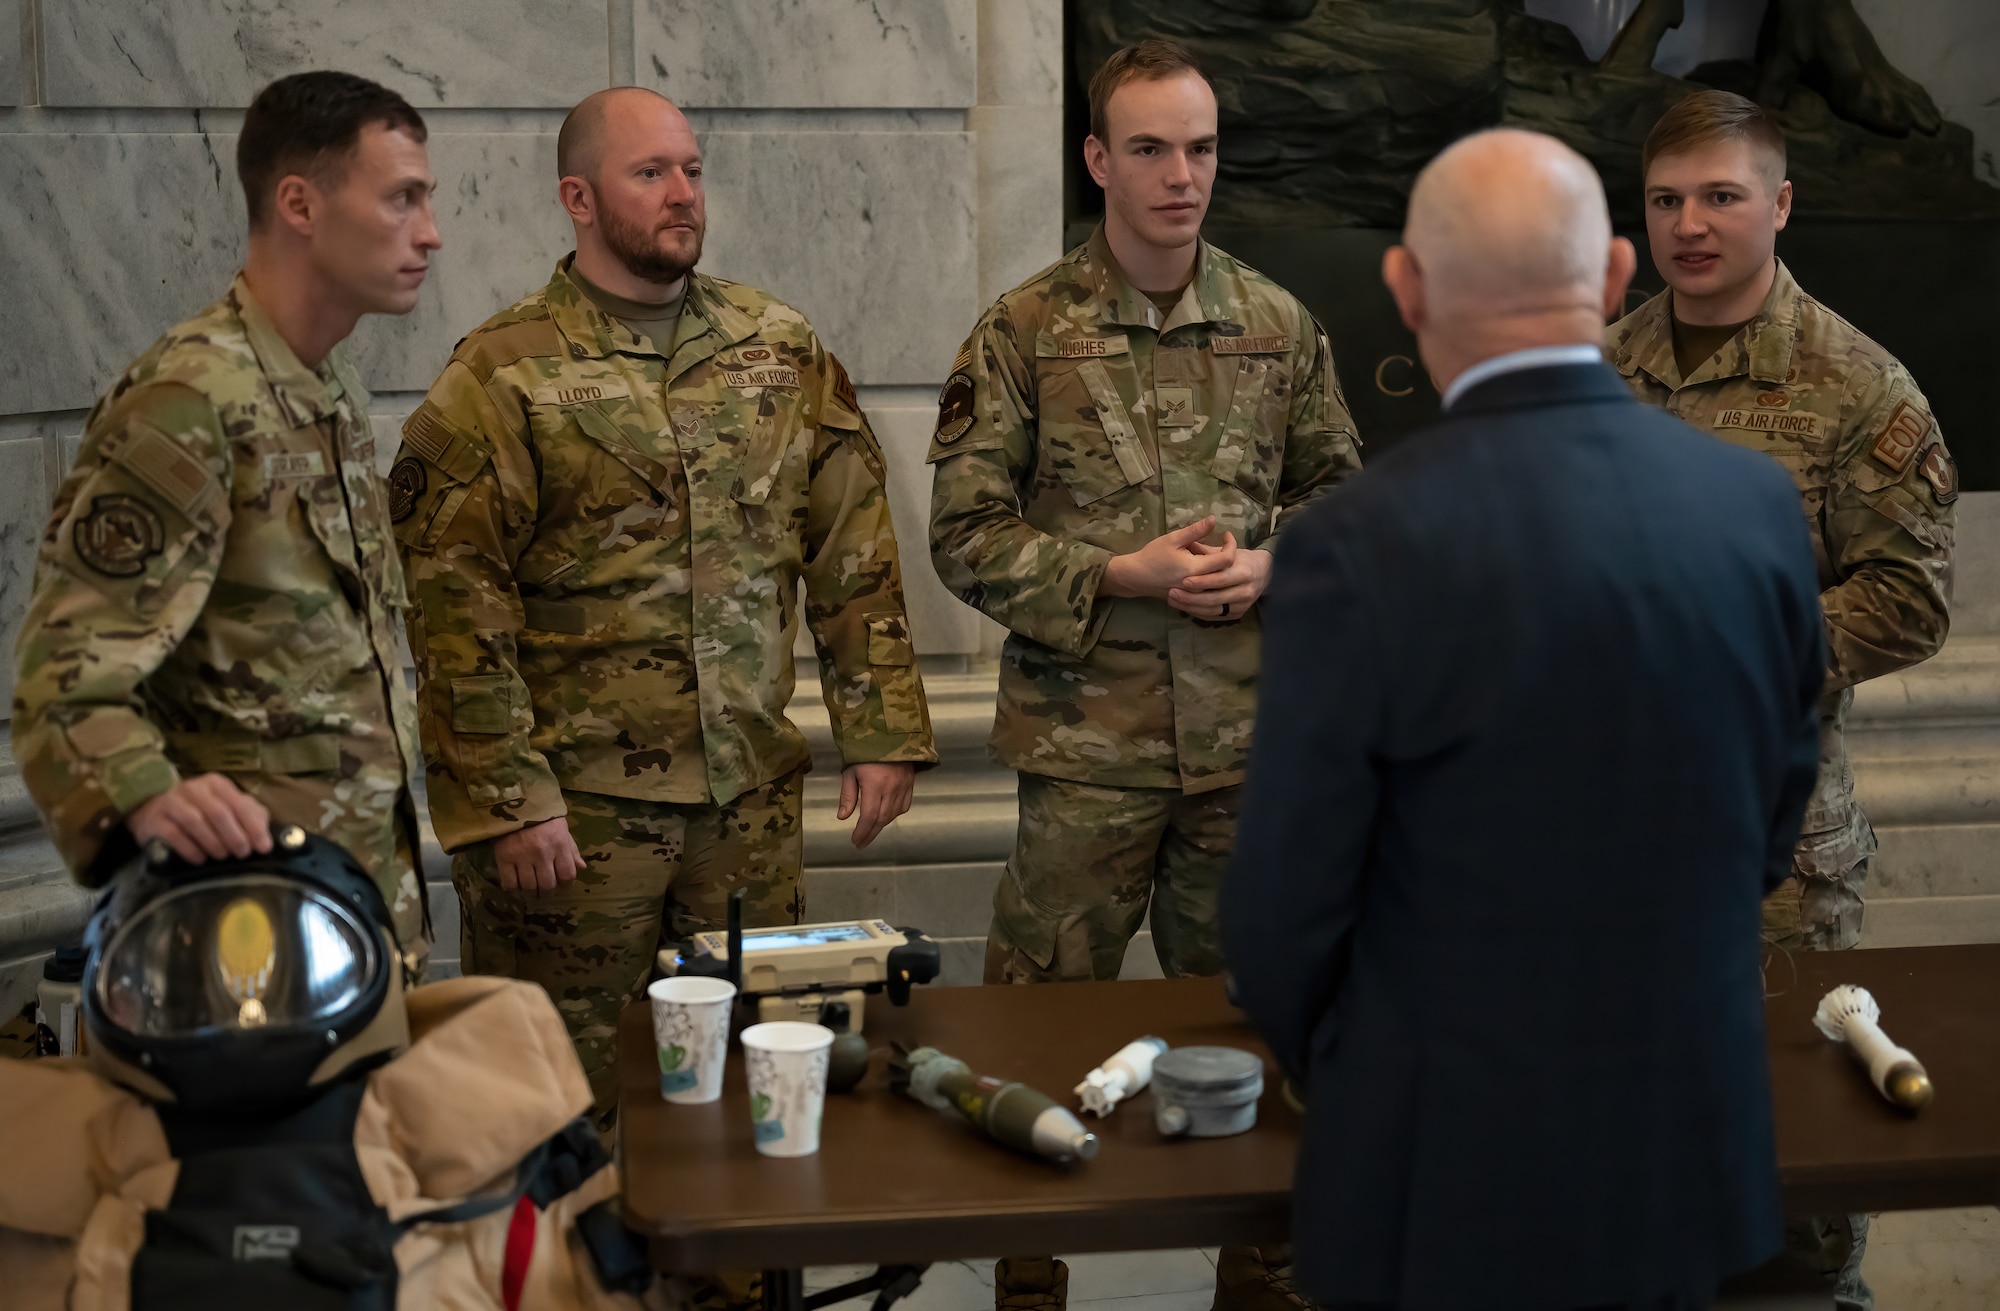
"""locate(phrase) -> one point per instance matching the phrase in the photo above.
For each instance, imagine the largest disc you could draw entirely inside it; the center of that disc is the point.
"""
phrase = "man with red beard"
(606, 505)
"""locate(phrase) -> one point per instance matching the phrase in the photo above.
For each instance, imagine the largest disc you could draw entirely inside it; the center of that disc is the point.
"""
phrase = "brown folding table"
(895, 1183)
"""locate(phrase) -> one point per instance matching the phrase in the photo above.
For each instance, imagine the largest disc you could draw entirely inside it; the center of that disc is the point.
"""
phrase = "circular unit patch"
(407, 481)
(119, 535)
(954, 409)
(1941, 473)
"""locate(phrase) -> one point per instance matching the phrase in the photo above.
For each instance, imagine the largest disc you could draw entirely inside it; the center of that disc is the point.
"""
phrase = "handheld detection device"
(793, 972)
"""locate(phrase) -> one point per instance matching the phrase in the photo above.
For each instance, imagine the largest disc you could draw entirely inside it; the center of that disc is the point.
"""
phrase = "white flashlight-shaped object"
(1848, 1014)
(1120, 1077)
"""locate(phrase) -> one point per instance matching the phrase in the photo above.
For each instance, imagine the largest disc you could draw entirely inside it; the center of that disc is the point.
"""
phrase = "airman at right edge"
(1734, 346)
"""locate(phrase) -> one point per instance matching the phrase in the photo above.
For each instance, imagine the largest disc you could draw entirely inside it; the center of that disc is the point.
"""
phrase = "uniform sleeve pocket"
(482, 703)
(431, 478)
(1905, 499)
(892, 660)
(889, 642)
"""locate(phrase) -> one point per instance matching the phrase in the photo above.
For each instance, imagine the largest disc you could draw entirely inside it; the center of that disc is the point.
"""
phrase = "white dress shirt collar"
(1535, 357)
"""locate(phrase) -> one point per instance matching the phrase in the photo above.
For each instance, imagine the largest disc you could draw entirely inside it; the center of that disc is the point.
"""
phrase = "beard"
(638, 248)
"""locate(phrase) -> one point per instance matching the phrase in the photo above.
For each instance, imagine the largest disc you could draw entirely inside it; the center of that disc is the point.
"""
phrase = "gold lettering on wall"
(1382, 375)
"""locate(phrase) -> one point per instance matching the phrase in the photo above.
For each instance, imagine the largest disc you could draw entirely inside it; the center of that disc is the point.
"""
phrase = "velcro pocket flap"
(482, 703)
(168, 468)
(550, 616)
(889, 642)
(426, 434)
(1117, 424)
(1249, 452)
(600, 429)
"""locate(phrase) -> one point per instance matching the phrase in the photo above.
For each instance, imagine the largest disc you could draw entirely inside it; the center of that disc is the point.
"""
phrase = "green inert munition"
(1012, 1114)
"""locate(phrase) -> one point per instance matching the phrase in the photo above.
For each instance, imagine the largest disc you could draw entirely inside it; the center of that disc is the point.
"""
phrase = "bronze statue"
(1329, 107)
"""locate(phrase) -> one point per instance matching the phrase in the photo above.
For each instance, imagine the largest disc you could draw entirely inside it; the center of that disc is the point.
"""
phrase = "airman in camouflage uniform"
(1735, 347)
(604, 538)
(1877, 483)
(1079, 423)
(217, 593)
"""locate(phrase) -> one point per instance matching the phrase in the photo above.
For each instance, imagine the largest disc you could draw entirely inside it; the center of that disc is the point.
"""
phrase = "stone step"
(945, 823)
(1931, 921)
(1960, 683)
(1928, 790)
(1940, 860)
(17, 808)
(961, 708)
(944, 899)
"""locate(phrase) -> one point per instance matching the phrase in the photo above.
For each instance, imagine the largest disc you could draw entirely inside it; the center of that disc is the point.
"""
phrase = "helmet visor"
(245, 952)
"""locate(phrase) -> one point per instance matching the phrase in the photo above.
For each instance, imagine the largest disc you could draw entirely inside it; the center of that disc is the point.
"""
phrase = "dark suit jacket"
(1537, 724)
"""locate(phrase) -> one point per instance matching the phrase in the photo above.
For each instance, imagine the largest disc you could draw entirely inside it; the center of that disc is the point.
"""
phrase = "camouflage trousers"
(1087, 863)
(1819, 908)
(654, 872)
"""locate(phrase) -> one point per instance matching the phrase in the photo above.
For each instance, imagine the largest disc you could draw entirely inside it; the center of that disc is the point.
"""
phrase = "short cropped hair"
(580, 141)
(1709, 117)
(1149, 61)
(309, 124)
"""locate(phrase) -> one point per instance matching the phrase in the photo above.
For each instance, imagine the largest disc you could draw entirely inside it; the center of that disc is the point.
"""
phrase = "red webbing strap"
(520, 1248)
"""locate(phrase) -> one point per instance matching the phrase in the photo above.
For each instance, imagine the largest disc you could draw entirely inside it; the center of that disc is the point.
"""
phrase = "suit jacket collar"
(1554, 384)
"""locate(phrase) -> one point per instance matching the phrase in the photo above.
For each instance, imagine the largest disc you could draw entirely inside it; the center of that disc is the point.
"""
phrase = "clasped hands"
(1219, 583)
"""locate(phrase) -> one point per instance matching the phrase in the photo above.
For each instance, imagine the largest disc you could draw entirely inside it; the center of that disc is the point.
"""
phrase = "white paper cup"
(786, 1062)
(691, 1035)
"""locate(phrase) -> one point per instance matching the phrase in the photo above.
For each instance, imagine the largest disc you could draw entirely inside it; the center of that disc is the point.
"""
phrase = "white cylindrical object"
(691, 1035)
(786, 1062)
(1873, 1049)
(1126, 1073)
(1849, 1014)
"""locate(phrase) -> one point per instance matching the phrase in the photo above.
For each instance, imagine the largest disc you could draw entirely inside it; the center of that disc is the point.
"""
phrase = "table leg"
(784, 1290)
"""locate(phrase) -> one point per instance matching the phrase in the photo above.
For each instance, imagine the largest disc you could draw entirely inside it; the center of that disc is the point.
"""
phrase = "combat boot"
(1030, 1283)
(1257, 1279)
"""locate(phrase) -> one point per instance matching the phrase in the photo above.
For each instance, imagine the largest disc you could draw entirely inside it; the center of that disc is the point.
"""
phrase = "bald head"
(1506, 221)
(620, 111)
(1507, 246)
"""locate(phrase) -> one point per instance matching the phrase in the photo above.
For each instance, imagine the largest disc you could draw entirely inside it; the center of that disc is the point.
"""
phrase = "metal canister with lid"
(1206, 1092)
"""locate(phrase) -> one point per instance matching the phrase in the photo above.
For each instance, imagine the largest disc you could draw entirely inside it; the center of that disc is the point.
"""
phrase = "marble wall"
(12, 69)
(171, 54)
(886, 165)
(809, 54)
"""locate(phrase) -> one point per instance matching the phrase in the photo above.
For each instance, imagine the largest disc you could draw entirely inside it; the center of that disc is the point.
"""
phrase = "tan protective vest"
(489, 1075)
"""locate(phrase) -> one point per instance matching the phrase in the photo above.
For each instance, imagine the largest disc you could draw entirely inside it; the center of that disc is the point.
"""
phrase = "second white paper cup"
(691, 1035)
(786, 1062)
